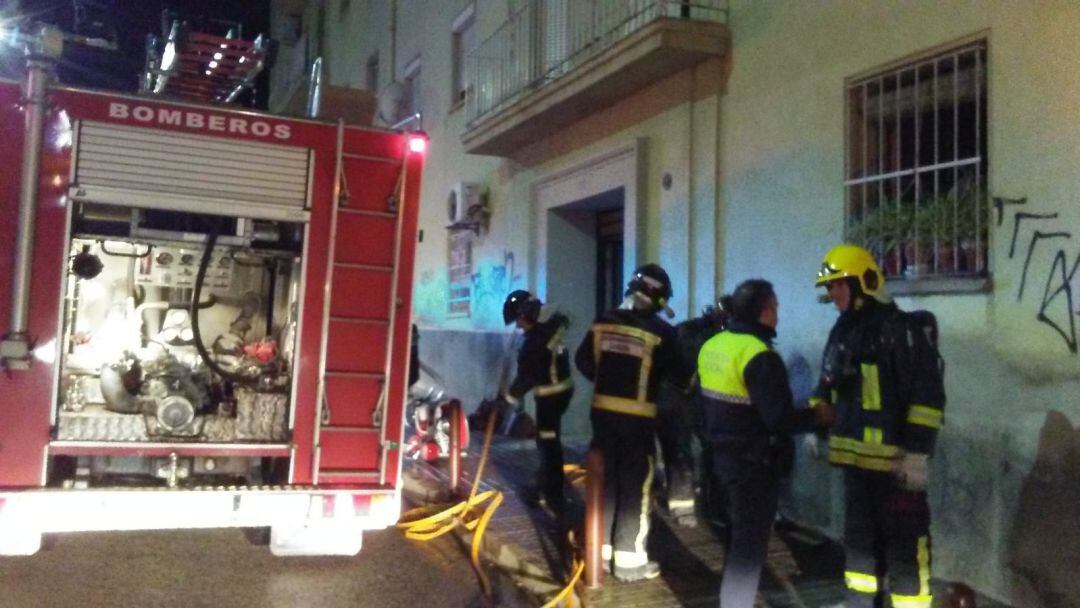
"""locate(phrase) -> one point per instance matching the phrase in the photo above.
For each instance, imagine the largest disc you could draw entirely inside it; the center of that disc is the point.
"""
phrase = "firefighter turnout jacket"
(543, 363)
(747, 402)
(626, 353)
(884, 376)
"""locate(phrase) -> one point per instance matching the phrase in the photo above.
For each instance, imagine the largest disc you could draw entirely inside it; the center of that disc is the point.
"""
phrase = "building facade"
(572, 141)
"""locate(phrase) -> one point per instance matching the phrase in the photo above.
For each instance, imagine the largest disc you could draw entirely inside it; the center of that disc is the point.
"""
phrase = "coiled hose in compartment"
(200, 347)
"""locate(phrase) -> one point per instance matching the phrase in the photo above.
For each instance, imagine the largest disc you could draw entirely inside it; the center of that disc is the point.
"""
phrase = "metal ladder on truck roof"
(200, 66)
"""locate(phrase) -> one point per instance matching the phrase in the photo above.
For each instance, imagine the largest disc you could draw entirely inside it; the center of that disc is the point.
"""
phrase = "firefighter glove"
(912, 470)
(517, 404)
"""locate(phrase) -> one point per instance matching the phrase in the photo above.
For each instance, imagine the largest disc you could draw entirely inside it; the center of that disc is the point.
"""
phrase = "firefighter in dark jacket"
(626, 353)
(750, 418)
(883, 374)
(543, 366)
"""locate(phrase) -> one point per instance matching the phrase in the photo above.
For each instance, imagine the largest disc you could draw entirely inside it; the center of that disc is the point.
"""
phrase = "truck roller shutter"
(154, 168)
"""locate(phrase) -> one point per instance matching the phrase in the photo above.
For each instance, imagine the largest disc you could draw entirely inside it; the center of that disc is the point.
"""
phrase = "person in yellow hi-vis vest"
(882, 372)
(750, 418)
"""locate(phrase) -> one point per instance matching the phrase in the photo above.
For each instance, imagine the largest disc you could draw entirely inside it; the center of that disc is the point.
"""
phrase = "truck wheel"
(260, 537)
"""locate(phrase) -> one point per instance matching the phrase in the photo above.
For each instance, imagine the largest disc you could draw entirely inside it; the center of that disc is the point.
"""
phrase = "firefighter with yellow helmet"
(882, 372)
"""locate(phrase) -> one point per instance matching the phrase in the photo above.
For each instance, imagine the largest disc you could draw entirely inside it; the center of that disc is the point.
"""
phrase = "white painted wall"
(755, 150)
(782, 207)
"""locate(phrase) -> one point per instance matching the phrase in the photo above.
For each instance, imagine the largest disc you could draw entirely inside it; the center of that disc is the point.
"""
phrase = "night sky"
(128, 22)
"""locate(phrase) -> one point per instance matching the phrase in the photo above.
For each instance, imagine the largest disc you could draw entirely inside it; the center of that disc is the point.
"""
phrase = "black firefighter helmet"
(521, 303)
(651, 283)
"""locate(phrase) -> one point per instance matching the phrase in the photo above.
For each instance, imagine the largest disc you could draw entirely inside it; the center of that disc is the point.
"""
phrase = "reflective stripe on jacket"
(749, 412)
(884, 378)
(625, 354)
(543, 362)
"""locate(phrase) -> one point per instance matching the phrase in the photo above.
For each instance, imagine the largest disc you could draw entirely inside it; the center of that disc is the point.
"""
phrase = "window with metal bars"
(916, 165)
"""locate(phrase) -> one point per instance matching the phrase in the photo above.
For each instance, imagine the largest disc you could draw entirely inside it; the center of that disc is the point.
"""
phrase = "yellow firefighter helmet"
(845, 261)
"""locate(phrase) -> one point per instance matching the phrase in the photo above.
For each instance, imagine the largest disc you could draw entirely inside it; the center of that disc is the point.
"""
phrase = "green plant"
(877, 229)
(948, 218)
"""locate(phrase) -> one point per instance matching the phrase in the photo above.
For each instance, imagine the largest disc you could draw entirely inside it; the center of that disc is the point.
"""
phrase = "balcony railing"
(546, 39)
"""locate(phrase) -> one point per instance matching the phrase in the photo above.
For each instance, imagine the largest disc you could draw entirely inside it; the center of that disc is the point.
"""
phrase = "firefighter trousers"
(673, 431)
(886, 542)
(549, 413)
(628, 445)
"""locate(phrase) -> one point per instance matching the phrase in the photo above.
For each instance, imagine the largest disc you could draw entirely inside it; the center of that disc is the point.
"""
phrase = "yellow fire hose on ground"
(474, 514)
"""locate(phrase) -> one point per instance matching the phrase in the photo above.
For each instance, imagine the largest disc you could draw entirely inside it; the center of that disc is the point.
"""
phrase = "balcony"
(556, 61)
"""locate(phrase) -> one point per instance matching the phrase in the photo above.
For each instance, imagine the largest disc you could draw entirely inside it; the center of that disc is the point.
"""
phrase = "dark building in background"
(126, 24)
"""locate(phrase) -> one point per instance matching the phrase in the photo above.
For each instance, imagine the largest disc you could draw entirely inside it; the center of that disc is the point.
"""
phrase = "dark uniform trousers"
(751, 491)
(628, 446)
(549, 413)
(673, 430)
(887, 539)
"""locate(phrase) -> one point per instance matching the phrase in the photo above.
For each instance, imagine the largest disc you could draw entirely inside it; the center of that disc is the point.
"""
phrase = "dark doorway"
(609, 258)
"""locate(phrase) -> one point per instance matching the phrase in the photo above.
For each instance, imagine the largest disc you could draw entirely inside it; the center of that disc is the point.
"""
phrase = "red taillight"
(361, 504)
(417, 145)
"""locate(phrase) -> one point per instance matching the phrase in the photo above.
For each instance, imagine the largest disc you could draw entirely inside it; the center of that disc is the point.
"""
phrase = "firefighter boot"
(648, 570)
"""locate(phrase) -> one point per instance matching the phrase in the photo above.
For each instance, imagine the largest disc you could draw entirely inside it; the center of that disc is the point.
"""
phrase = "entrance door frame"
(622, 167)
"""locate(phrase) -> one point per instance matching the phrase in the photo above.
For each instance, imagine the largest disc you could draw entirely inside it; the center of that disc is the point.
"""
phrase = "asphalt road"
(220, 568)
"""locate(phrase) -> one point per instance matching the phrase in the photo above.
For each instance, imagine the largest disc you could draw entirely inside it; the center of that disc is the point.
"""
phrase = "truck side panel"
(25, 403)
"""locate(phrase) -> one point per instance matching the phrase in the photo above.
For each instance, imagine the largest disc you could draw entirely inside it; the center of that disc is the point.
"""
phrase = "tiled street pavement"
(803, 570)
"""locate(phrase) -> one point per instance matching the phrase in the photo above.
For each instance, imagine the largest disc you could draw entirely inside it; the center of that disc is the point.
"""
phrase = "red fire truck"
(207, 319)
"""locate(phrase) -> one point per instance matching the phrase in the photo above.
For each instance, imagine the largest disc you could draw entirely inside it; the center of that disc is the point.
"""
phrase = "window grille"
(917, 164)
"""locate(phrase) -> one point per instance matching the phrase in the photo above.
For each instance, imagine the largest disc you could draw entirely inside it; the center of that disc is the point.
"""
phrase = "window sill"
(939, 285)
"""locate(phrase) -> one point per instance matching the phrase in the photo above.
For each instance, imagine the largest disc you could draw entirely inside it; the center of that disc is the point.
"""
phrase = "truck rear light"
(361, 504)
(417, 144)
(321, 506)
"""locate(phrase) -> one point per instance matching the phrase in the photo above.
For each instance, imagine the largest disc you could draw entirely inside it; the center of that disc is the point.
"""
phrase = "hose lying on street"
(474, 514)
(432, 521)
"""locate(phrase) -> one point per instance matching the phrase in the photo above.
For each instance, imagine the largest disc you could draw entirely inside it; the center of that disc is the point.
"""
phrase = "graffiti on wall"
(492, 282)
(1057, 305)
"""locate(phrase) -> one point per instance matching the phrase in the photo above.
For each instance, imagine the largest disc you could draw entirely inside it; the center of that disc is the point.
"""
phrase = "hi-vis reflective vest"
(722, 363)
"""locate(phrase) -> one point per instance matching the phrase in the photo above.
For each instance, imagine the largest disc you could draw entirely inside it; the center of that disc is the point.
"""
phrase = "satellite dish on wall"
(390, 107)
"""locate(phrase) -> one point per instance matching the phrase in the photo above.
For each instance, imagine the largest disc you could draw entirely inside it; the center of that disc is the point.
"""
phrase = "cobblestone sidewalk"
(803, 570)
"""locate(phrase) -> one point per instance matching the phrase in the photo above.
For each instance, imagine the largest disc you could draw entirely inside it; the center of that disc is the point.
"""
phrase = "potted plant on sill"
(877, 230)
(947, 228)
